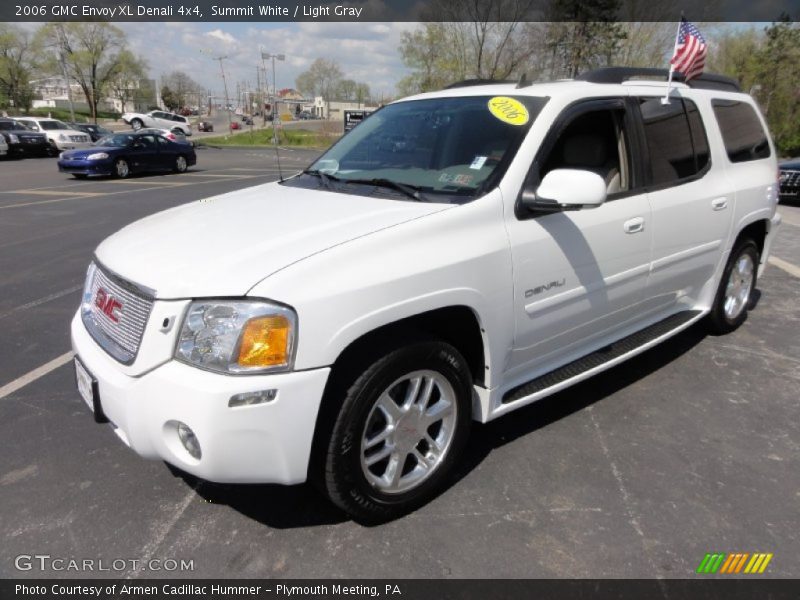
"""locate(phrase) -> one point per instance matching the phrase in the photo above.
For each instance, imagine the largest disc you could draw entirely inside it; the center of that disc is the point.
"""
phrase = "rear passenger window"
(676, 139)
(742, 132)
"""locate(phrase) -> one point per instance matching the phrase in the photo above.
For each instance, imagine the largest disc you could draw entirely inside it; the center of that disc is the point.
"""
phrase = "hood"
(84, 152)
(792, 163)
(223, 246)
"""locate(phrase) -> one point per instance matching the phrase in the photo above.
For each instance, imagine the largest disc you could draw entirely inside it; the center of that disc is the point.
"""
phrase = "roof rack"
(471, 82)
(708, 81)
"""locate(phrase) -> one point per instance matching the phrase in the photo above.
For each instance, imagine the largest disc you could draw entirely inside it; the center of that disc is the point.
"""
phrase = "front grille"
(790, 181)
(79, 138)
(32, 140)
(120, 337)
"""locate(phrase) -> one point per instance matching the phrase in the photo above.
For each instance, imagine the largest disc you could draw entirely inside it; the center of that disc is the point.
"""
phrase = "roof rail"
(709, 81)
(470, 82)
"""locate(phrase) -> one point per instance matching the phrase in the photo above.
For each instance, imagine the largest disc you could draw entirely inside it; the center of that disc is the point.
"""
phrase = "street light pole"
(225, 87)
(267, 55)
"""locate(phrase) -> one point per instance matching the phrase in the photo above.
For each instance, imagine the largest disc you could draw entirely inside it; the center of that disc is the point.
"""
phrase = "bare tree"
(128, 81)
(321, 79)
(185, 89)
(91, 52)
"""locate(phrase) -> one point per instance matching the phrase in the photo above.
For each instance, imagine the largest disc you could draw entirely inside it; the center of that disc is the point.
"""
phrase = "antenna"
(277, 155)
(275, 113)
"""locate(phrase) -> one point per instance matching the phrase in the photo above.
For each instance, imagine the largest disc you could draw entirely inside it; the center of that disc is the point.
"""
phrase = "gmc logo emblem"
(109, 305)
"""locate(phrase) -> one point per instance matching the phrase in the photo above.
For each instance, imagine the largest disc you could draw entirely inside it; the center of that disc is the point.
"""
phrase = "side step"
(600, 357)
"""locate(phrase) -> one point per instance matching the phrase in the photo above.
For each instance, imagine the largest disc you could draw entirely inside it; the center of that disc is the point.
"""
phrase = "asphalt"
(690, 448)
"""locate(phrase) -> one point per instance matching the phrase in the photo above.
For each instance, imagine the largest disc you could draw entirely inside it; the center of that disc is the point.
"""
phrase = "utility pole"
(267, 55)
(225, 87)
(62, 38)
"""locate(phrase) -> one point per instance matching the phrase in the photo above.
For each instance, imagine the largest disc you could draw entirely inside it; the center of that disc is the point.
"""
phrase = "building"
(335, 110)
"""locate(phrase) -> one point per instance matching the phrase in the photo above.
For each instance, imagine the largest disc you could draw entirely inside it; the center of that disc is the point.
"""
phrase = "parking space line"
(228, 176)
(40, 301)
(162, 183)
(37, 373)
(785, 265)
(45, 192)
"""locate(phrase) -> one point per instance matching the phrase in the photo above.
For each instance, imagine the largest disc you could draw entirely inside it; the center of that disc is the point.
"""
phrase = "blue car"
(122, 154)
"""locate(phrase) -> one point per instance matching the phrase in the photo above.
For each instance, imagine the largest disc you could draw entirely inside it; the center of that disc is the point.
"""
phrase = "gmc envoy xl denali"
(457, 255)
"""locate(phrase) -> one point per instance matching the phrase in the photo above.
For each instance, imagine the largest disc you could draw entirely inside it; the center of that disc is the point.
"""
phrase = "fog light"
(189, 441)
(250, 398)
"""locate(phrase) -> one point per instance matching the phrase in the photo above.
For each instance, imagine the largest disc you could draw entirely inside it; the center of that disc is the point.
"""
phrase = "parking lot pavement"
(690, 448)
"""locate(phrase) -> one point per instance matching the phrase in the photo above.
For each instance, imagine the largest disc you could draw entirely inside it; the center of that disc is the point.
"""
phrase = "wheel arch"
(458, 325)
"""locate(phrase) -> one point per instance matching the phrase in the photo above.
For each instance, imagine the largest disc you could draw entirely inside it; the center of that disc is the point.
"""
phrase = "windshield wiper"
(411, 191)
(323, 177)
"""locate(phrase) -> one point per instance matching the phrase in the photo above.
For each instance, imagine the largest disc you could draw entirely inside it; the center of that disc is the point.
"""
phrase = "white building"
(335, 110)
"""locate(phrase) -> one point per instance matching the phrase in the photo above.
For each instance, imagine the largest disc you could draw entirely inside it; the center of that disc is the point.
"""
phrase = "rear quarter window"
(742, 132)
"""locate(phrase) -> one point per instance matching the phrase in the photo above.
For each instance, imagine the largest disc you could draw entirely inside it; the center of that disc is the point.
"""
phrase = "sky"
(366, 52)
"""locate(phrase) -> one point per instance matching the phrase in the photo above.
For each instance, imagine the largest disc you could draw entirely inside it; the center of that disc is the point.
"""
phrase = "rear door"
(691, 198)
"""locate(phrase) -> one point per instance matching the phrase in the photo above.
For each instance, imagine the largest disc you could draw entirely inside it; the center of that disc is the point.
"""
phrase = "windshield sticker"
(508, 110)
(457, 179)
(477, 162)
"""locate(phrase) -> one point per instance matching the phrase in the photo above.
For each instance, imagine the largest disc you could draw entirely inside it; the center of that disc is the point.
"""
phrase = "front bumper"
(263, 443)
(86, 167)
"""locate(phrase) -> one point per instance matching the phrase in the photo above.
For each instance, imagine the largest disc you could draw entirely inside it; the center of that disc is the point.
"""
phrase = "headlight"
(238, 336)
(62, 137)
(97, 156)
(12, 137)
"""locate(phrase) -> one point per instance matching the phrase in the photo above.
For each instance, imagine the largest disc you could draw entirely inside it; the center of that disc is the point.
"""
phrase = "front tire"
(121, 168)
(137, 124)
(735, 293)
(400, 430)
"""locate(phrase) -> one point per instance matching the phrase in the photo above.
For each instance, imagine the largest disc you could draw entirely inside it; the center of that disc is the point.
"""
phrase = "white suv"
(456, 256)
(160, 120)
(60, 135)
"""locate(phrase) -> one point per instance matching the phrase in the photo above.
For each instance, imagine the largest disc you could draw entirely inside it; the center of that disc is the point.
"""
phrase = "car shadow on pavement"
(538, 415)
(286, 507)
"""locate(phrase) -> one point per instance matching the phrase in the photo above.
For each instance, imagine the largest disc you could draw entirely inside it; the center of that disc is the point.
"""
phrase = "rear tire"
(137, 124)
(735, 293)
(180, 164)
(402, 425)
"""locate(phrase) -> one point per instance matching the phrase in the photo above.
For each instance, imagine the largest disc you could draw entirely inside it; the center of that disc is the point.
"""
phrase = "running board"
(609, 354)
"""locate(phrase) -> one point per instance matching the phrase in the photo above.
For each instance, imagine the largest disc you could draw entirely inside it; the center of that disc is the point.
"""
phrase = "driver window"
(595, 141)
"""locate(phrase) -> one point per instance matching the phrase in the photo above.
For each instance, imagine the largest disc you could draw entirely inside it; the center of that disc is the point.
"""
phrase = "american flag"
(690, 53)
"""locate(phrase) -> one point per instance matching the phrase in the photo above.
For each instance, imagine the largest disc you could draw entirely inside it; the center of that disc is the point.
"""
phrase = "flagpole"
(671, 66)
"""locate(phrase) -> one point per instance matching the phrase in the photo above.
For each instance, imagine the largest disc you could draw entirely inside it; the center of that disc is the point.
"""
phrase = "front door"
(580, 276)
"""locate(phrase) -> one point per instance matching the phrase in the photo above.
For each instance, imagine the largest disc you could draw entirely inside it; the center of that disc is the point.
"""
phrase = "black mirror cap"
(529, 201)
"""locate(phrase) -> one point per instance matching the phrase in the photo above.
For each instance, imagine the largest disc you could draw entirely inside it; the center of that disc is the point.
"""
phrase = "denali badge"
(543, 288)
(108, 304)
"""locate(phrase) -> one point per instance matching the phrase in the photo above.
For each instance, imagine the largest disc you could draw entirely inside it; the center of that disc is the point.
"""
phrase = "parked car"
(60, 135)
(205, 126)
(174, 136)
(458, 255)
(789, 179)
(122, 154)
(305, 116)
(95, 131)
(247, 120)
(160, 119)
(22, 140)
(235, 125)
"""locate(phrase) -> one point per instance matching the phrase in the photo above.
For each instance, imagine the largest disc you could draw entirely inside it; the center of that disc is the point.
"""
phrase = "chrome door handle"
(634, 225)
(719, 204)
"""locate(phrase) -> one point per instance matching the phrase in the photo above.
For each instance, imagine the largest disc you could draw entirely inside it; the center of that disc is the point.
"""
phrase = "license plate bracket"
(89, 391)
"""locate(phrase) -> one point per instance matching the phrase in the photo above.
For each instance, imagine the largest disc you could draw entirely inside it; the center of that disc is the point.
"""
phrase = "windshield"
(11, 125)
(50, 125)
(117, 140)
(441, 146)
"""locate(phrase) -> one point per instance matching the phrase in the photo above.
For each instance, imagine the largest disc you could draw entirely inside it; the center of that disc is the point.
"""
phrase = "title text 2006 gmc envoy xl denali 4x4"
(456, 256)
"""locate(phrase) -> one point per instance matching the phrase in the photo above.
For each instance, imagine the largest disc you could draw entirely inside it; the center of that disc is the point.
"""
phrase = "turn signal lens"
(265, 342)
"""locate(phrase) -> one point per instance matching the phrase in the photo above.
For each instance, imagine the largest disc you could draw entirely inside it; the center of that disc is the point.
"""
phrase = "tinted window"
(744, 137)
(670, 141)
(698, 131)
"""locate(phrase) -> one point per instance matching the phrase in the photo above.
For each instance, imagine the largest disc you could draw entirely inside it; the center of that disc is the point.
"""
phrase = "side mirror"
(566, 189)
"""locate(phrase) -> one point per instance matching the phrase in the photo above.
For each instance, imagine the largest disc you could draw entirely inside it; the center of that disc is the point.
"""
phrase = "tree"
(16, 65)
(169, 98)
(362, 94)
(185, 89)
(346, 90)
(91, 53)
(321, 79)
(129, 77)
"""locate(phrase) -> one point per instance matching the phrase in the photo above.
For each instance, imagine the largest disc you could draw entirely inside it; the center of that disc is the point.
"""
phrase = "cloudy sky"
(365, 52)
